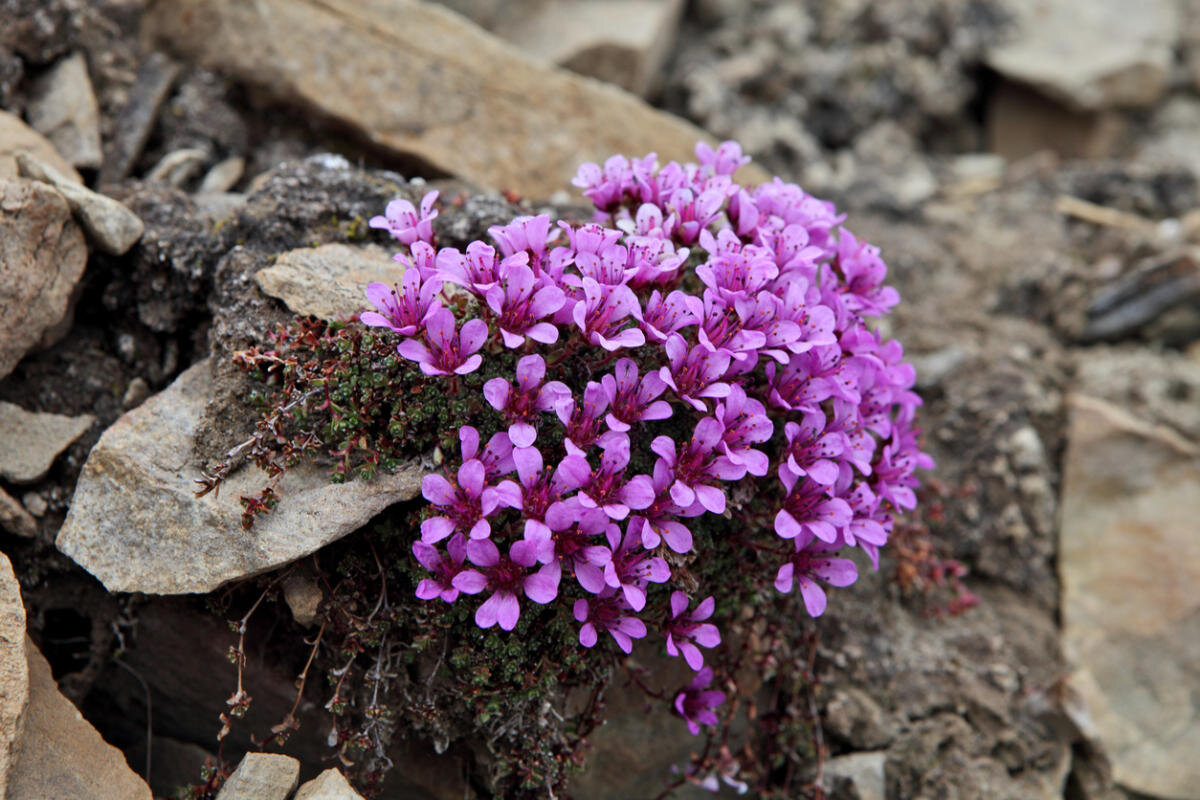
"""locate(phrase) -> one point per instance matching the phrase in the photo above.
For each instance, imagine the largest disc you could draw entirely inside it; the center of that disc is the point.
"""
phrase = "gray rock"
(179, 166)
(303, 596)
(136, 120)
(262, 776)
(35, 504)
(112, 226)
(14, 670)
(136, 524)
(328, 281)
(32, 441)
(16, 136)
(62, 106)
(854, 717)
(624, 42)
(329, 785)
(863, 770)
(223, 176)
(42, 256)
(1130, 562)
(14, 518)
(1090, 54)
(60, 755)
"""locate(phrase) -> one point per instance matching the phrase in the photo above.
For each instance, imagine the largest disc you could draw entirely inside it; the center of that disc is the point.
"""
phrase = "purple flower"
(725, 160)
(810, 562)
(497, 456)
(540, 489)
(584, 423)
(864, 272)
(422, 257)
(696, 705)
(443, 569)
(723, 328)
(696, 468)
(658, 523)
(664, 317)
(478, 270)
(448, 350)
(524, 234)
(808, 510)
(631, 401)
(631, 567)
(520, 305)
(606, 487)
(611, 613)
(506, 577)
(405, 308)
(602, 312)
(466, 504)
(745, 422)
(811, 448)
(403, 222)
(573, 529)
(520, 406)
(685, 631)
(694, 372)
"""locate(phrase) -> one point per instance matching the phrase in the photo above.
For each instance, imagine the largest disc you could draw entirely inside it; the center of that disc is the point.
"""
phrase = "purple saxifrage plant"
(696, 344)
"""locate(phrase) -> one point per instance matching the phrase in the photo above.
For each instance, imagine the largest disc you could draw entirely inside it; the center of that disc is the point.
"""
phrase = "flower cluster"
(710, 343)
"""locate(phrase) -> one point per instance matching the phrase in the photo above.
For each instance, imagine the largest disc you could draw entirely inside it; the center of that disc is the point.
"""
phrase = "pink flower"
(584, 423)
(405, 308)
(443, 569)
(404, 223)
(696, 703)
(606, 487)
(520, 306)
(631, 401)
(603, 311)
(685, 631)
(609, 612)
(520, 406)
(506, 577)
(448, 351)
(810, 562)
(631, 568)
(694, 372)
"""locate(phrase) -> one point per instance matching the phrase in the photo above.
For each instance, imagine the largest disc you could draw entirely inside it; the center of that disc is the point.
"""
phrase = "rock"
(1153, 288)
(262, 776)
(14, 670)
(219, 207)
(490, 115)
(864, 771)
(329, 785)
(303, 596)
(34, 503)
(61, 756)
(63, 107)
(112, 226)
(1021, 122)
(223, 176)
(136, 524)
(1130, 561)
(328, 281)
(16, 136)
(624, 42)
(32, 441)
(179, 166)
(1090, 54)
(854, 717)
(1171, 141)
(154, 80)
(42, 256)
(14, 518)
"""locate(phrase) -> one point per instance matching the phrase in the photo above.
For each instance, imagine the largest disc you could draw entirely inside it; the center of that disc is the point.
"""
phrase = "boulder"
(328, 281)
(61, 756)
(624, 42)
(14, 670)
(42, 256)
(1090, 54)
(32, 441)
(329, 785)
(16, 136)
(262, 776)
(136, 524)
(112, 226)
(62, 106)
(420, 81)
(1130, 562)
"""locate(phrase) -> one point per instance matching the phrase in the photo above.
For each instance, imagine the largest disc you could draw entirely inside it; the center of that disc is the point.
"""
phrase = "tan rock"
(864, 770)
(63, 107)
(112, 226)
(61, 756)
(14, 518)
(329, 785)
(420, 81)
(328, 281)
(1130, 563)
(623, 42)
(136, 524)
(303, 596)
(179, 166)
(262, 776)
(42, 256)
(1090, 54)
(16, 136)
(1021, 122)
(223, 176)
(14, 671)
(31, 441)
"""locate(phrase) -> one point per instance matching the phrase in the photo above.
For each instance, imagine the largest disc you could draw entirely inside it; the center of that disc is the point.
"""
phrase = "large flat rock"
(1130, 564)
(136, 524)
(42, 256)
(1090, 54)
(422, 81)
